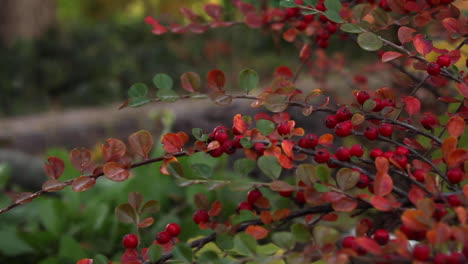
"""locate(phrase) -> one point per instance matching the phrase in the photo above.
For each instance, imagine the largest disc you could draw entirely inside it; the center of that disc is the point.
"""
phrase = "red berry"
(366, 222)
(388, 154)
(301, 25)
(245, 206)
(332, 28)
(221, 136)
(331, 121)
(443, 60)
(163, 237)
(402, 151)
(228, 147)
(371, 133)
(130, 241)
(454, 200)
(236, 142)
(286, 193)
(284, 129)
(381, 236)
(455, 175)
(259, 148)
(376, 153)
(201, 216)
(216, 152)
(363, 182)
(362, 97)
(378, 105)
(401, 160)
(433, 69)
(235, 131)
(429, 120)
(173, 229)
(344, 129)
(421, 252)
(386, 129)
(419, 175)
(322, 156)
(349, 242)
(321, 7)
(439, 212)
(456, 258)
(323, 43)
(309, 141)
(356, 150)
(388, 102)
(343, 154)
(253, 196)
(300, 198)
(343, 114)
(440, 258)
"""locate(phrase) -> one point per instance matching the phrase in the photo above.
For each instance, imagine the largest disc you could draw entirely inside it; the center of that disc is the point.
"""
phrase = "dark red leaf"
(213, 10)
(216, 80)
(80, 158)
(114, 149)
(83, 183)
(115, 171)
(253, 20)
(54, 169)
(141, 143)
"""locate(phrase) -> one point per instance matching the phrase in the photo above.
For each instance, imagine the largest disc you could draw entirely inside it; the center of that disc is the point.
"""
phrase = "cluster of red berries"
(252, 198)
(172, 231)
(429, 120)
(422, 252)
(201, 216)
(399, 155)
(340, 122)
(228, 140)
(433, 68)
(299, 198)
(362, 96)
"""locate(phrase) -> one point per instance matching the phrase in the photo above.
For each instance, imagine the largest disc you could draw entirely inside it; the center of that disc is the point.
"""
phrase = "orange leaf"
(298, 131)
(83, 183)
(215, 209)
(166, 161)
(115, 171)
(382, 165)
(412, 219)
(461, 213)
(390, 55)
(465, 190)
(412, 105)
(369, 245)
(114, 149)
(141, 143)
(456, 126)
(262, 202)
(173, 142)
(288, 146)
(326, 139)
(451, 24)
(290, 34)
(456, 157)
(345, 204)
(405, 34)
(462, 88)
(281, 214)
(216, 80)
(239, 124)
(54, 169)
(285, 161)
(383, 184)
(448, 146)
(258, 232)
(265, 216)
(147, 222)
(422, 45)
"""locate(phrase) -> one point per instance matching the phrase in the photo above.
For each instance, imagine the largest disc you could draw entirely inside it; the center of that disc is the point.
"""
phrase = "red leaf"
(345, 204)
(216, 80)
(240, 124)
(456, 126)
(448, 146)
(213, 10)
(158, 29)
(422, 19)
(215, 209)
(178, 29)
(462, 88)
(451, 24)
(83, 183)
(456, 157)
(85, 261)
(258, 232)
(411, 142)
(290, 34)
(54, 169)
(390, 55)
(188, 13)
(114, 149)
(283, 71)
(383, 184)
(381, 204)
(173, 142)
(80, 158)
(197, 28)
(422, 45)
(304, 54)
(454, 55)
(285, 161)
(369, 245)
(245, 8)
(282, 117)
(265, 216)
(147, 222)
(416, 194)
(412, 105)
(281, 214)
(141, 143)
(53, 185)
(115, 171)
(253, 20)
(405, 34)
(190, 81)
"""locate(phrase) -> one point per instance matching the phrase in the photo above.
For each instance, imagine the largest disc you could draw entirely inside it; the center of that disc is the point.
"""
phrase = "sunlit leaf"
(248, 80)
(369, 41)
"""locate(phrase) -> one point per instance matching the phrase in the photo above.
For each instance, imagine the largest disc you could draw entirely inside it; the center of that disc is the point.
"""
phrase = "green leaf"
(310, 12)
(306, 173)
(288, 3)
(183, 253)
(243, 216)
(100, 259)
(311, 2)
(155, 252)
(4, 174)
(351, 28)
(265, 126)
(323, 173)
(276, 102)
(320, 187)
(225, 241)
(175, 169)
(244, 166)
(245, 244)
(300, 232)
(248, 80)
(284, 240)
(151, 206)
(199, 135)
(202, 170)
(369, 41)
(325, 235)
(333, 5)
(246, 142)
(209, 257)
(163, 81)
(138, 90)
(167, 95)
(69, 248)
(269, 166)
(334, 16)
(126, 213)
(11, 244)
(369, 105)
(138, 101)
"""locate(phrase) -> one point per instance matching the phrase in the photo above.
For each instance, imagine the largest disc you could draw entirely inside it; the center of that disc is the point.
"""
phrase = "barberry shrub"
(394, 171)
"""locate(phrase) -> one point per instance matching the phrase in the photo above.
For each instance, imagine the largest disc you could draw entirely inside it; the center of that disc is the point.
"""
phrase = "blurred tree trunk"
(25, 19)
